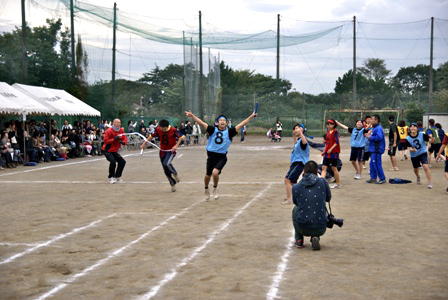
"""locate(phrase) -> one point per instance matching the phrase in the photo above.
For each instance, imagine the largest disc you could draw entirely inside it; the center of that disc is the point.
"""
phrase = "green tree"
(412, 80)
(375, 69)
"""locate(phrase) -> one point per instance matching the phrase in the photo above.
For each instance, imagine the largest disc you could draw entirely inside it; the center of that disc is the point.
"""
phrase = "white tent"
(12, 101)
(58, 101)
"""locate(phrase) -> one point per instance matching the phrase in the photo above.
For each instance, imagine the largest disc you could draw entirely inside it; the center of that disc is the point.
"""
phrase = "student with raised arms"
(219, 140)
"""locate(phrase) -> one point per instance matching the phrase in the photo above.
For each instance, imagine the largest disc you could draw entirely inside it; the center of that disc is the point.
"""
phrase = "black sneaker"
(315, 243)
(371, 180)
(381, 182)
(299, 244)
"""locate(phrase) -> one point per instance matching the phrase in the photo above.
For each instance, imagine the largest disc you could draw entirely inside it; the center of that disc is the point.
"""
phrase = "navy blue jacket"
(310, 195)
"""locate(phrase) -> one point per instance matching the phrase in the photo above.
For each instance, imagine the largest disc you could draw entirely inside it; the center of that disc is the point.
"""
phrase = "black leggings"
(115, 158)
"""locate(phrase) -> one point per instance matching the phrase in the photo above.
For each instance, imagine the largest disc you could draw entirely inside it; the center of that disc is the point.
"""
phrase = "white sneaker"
(429, 186)
(112, 180)
(207, 194)
(335, 186)
(215, 193)
(418, 180)
(173, 188)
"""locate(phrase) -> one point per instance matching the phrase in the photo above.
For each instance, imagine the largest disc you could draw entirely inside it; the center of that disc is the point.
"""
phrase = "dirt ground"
(66, 234)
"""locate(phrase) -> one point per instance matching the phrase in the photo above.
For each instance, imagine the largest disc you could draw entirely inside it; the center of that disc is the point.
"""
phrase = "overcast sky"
(307, 68)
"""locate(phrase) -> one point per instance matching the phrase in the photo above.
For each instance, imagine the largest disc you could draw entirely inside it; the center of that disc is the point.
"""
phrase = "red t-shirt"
(167, 139)
(332, 138)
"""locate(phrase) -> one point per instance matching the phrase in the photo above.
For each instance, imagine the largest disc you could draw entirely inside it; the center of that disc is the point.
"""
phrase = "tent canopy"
(58, 101)
(12, 101)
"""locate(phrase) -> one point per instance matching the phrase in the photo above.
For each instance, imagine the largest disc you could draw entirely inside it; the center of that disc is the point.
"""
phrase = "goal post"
(358, 114)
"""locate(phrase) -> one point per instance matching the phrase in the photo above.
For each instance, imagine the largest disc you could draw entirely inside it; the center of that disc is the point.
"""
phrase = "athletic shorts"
(330, 162)
(402, 145)
(357, 154)
(215, 161)
(434, 148)
(366, 156)
(420, 160)
(392, 151)
(294, 172)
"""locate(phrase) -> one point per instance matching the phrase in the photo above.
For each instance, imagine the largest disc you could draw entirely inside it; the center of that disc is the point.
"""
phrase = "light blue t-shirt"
(357, 138)
(300, 155)
(418, 143)
(219, 141)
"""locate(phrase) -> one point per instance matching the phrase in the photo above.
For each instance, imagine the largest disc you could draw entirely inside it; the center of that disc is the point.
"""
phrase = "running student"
(170, 139)
(300, 155)
(419, 157)
(357, 143)
(444, 148)
(113, 139)
(331, 153)
(403, 131)
(220, 138)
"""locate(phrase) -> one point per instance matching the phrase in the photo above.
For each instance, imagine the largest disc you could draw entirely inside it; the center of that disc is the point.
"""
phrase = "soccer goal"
(349, 116)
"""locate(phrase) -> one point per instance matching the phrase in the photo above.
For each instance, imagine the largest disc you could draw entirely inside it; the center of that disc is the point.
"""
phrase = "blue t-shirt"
(357, 138)
(300, 152)
(418, 142)
(219, 140)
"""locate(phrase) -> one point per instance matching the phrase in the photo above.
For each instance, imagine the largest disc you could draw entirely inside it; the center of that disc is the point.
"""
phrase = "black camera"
(331, 220)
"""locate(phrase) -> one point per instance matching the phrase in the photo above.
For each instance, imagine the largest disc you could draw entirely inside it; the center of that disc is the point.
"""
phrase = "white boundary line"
(64, 164)
(127, 182)
(170, 276)
(113, 254)
(281, 268)
(18, 244)
(54, 239)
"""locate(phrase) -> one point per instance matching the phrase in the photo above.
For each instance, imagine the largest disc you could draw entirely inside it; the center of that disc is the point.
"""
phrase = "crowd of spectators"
(45, 141)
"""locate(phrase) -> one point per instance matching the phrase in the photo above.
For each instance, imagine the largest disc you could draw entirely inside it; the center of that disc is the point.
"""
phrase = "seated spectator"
(6, 150)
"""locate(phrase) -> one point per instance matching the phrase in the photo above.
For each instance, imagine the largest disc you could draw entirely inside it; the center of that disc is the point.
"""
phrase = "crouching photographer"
(309, 215)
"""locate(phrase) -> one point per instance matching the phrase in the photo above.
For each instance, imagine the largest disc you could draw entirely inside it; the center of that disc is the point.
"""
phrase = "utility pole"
(24, 54)
(201, 93)
(430, 65)
(355, 98)
(278, 47)
(113, 51)
(183, 75)
(72, 37)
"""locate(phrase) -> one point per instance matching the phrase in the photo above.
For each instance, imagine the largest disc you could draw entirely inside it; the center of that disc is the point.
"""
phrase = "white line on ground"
(53, 239)
(18, 244)
(127, 182)
(65, 164)
(170, 276)
(179, 156)
(114, 253)
(281, 268)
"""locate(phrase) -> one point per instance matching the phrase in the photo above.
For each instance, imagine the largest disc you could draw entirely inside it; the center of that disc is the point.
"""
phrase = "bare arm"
(149, 138)
(189, 114)
(342, 125)
(179, 140)
(244, 122)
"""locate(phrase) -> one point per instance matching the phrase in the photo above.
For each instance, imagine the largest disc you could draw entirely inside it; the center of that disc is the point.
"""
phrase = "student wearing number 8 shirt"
(170, 139)
(419, 157)
(220, 138)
